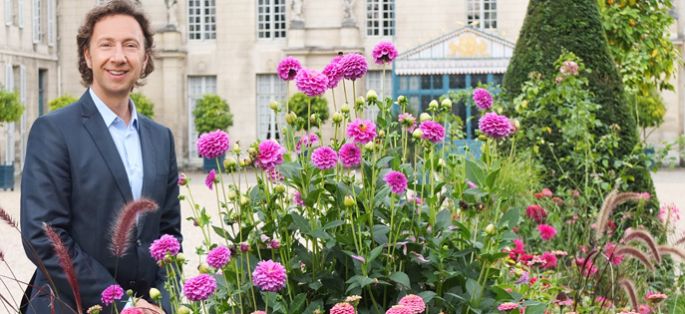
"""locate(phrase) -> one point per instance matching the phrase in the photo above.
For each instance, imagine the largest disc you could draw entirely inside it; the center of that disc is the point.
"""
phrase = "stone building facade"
(232, 48)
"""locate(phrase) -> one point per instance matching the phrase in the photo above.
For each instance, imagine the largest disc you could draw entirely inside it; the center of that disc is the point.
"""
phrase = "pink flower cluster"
(495, 126)
(350, 155)
(397, 182)
(342, 308)
(166, 244)
(610, 254)
(353, 66)
(132, 310)
(432, 131)
(482, 98)
(209, 180)
(288, 68)
(669, 214)
(333, 72)
(219, 257)
(407, 120)
(311, 82)
(508, 306)
(536, 213)
(199, 288)
(399, 309)
(655, 297)
(269, 276)
(518, 253)
(413, 302)
(111, 293)
(270, 154)
(361, 131)
(384, 52)
(547, 232)
(306, 141)
(297, 198)
(324, 158)
(213, 144)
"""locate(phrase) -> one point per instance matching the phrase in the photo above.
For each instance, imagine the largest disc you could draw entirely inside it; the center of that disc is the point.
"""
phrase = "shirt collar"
(108, 115)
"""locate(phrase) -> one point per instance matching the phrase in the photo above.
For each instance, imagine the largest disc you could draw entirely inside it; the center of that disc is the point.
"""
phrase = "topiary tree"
(11, 108)
(552, 26)
(299, 105)
(211, 113)
(144, 105)
(61, 101)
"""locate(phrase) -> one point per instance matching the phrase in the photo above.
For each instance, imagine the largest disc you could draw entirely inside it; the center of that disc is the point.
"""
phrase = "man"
(85, 161)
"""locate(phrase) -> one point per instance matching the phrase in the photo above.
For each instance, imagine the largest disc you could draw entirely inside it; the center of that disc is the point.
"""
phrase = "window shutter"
(8, 12)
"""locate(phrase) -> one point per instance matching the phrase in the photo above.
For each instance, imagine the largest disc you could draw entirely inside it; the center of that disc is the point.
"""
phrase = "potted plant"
(11, 109)
(649, 114)
(144, 105)
(212, 113)
(61, 101)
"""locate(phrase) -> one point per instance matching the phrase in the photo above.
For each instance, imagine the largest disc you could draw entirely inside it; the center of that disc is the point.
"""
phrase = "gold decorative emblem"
(468, 45)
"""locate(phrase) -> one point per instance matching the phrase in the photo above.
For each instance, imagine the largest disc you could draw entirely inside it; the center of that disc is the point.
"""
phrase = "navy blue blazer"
(74, 180)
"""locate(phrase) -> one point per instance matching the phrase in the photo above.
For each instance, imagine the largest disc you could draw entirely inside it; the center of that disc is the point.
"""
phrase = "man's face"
(116, 54)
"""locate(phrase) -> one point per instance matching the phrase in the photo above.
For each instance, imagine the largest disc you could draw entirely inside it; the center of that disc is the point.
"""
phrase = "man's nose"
(118, 55)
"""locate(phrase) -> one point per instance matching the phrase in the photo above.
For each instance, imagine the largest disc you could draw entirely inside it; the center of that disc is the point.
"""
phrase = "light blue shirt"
(127, 141)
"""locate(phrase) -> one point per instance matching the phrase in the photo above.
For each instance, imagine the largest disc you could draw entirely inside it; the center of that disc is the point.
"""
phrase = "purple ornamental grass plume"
(65, 263)
(324, 158)
(311, 82)
(482, 98)
(334, 72)
(384, 52)
(396, 181)
(199, 288)
(123, 227)
(361, 131)
(7, 218)
(269, 276)
(165, 244)
(495, 126)
(350, 155)
(644, 237)
(629, 288)
(111, 293)
(288, 68)
(353, 66)
(213, 144)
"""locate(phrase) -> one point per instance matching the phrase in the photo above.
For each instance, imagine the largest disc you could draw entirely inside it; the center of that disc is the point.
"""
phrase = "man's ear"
(86, 55)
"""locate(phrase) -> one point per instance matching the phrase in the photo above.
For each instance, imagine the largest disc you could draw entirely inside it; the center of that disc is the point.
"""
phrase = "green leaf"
(533, 307)
(401, 278)
(374, 254)
(297, 305)
(301, 223)
(473, 289)
(333, 224)
(427, 296)
(511, 218)
(474, 172)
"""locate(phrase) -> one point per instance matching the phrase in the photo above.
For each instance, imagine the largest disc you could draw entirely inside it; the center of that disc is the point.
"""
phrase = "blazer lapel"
(93, 122)
(149, 167)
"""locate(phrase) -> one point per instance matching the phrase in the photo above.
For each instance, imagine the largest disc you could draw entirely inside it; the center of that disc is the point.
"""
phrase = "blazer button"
(132, 284)
(139, 242)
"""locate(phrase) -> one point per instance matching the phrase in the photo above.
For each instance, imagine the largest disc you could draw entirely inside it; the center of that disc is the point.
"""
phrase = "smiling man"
(86, 161)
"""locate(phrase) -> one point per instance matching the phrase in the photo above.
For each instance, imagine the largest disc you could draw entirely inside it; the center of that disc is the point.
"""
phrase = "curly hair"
(110, 8)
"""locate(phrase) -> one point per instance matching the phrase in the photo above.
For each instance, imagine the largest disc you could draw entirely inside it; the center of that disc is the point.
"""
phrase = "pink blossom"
(655, 297)
(350, 155)
(219, 257)
(644, 309)
(353, 66)
(244, 247)
(111, 293)
(342, 308)
(550, 260)
(610, 254)
(384, 52)
(199, 288)
(482, 98)
(182, 179)
(333, 72)
(569, 68)
(311, 82)
(213, 144)
(399, 309)
(166, 244)
(407, 120)
(209, 180)
(270, 154)
(432, 131)
(297, 198)
(669, 213)
(495, 126)
(258, 312)
(536, 213)
(324, 158)
(547, 232)
(132, 310)
(508, 306)
(269, 276)
(414, 302)
(306, 141)
(361, 131)
(288, 68)
(274, 175)
(397, 181)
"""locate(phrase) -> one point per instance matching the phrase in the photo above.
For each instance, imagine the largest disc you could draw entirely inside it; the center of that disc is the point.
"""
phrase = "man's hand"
(148, 308)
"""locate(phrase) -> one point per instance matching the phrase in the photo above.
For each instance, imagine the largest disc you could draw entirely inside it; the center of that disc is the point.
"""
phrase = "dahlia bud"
(433, 105)
(245, 162)
(232, 195)
(371, 96)
(183, 310)
(312, 118)
(95, 309)
(275, 244)
(180, 258)
(359, 104)
(369, 146)
(441, 162)
(182, 179)
(401, 100)
(274, 106)
(230, 163)
(425, 117)
(446, 104)
(349, 201)
(291, 118)
(417, 134)
(345, 108)
(337, 118)
(516, 123)
(204, 269)
(490, 229)
(155, 294)
(381, 133)
(244, 200)
(244, 247)
(236, 148)
(279, 188)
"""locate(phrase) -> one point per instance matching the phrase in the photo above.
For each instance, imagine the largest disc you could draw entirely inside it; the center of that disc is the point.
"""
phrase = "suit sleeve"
(170, 222)
(46, 192)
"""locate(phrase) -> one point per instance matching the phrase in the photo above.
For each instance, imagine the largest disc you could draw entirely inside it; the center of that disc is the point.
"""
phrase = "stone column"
(349, 33)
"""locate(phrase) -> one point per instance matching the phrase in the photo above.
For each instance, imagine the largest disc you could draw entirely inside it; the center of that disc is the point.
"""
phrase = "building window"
(201, 19)
(269, 88)
(482, 13)
(271, 18)
(198, 86)
(380, 17)
(14, 12)
(38, 24)
(51, 22)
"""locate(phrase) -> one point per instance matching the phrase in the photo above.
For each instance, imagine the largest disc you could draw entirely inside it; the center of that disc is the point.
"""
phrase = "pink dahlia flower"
(165, 244)
(397, 182)
(132, 310)
(288, 68)
(213, 144)
(219, 257)
(644, 309)
(311, 82)
(407, 120)
(495, 126)
(258, 312)
(350, 155)
(482, 98)
(353, 66)
(297, 199)
(536, 213)
(361, 131)
(655, 297)
(199, 288)
(384, 52)
(414, 302)
(432, 131)
(111, 293)
(269, 276)
(508, 306)
(209, 180)
(342, 308)
(669, 213)
(306, 140)
(549, 259)
(399, 309)
(270, 154)
(182, 179)
(334, 72)
(610, 254)
(547, 232)
(569, 68)
(324, 158)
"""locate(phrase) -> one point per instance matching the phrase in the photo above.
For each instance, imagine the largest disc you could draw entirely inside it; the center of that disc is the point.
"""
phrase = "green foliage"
(11, 107)
(300, 105)
(212, 113)
(144, 105)
(650, 109)
(61, 101)
(550, 28)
